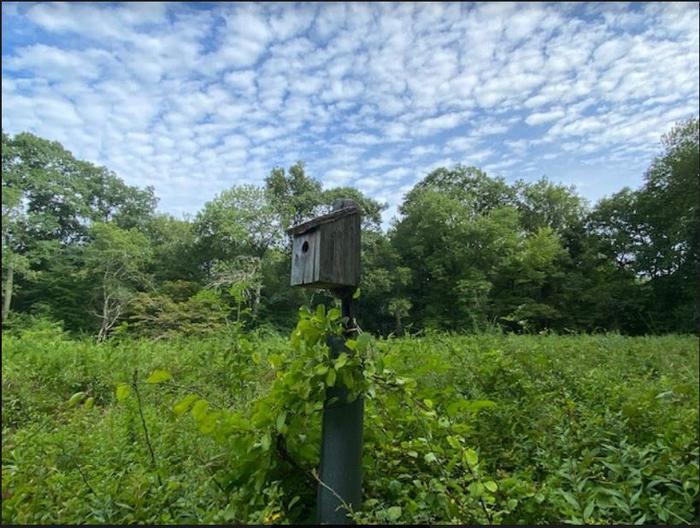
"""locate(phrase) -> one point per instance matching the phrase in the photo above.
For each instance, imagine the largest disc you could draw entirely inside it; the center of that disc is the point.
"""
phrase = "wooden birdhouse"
(326, 249)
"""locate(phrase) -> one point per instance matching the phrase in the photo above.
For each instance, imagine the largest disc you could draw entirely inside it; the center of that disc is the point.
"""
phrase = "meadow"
(491, 428)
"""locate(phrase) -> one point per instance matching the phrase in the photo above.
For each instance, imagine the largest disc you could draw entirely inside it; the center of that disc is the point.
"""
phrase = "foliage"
(294, 196)
(238, 221)
(115, 261)
(161, 317)
(471, 429)
(654, 232)
(470, 251)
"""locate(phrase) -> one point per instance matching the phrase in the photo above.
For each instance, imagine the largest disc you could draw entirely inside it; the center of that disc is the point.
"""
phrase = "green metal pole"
(341, 446)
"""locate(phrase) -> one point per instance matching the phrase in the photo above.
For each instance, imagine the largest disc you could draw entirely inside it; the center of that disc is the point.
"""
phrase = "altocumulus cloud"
(193, 99)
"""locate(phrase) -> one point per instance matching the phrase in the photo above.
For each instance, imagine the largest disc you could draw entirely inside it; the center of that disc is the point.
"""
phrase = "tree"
(159, 316)
(10, 212)
(294, 196)
(241, 279)
(175, 252)
(469, 250)
(62, 196)
(478, 192)
(545, 204)
(383, 303)
(654, 232)
(525, 288)
(483, 251)
(371, 209)
(454, 252)
(50, 200)
(13, 222)
(238, 221)
(111, 200)
(115, 261)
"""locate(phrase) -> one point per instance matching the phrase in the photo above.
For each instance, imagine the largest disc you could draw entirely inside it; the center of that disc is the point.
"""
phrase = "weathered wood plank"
(305, 258)
(319, 220)
(340, 251)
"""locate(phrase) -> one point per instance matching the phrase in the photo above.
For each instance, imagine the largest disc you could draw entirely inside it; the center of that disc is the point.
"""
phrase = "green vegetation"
(469, 252)
(532, 364)
(469, 429)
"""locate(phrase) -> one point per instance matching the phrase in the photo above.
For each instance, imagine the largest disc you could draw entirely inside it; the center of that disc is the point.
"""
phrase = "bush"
(478, 429)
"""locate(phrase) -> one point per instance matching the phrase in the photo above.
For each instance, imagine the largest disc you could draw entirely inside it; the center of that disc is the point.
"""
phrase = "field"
(469, 429)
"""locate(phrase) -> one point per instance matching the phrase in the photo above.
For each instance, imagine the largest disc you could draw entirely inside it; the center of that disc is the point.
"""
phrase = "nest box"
(326, 249)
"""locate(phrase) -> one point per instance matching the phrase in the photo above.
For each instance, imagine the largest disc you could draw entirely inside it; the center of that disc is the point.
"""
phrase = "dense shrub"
(477, 429)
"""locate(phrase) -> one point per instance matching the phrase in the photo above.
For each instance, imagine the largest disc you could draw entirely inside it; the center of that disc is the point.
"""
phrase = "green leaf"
(330, 378)
(123, 391)
(470, 457)
(185, 404)
(321, 311)
(333, 314)
(199, 409)
(635, 498)
(454, 442)
(266, 441)
(393, 513)
(89, 403)
(476, 489)
(76, 398)
(159, 376)
(430, 457)
(281, 418)
(468, 406)
(356, 295)
(363, 342)
(589, 510)
(491, 486)
(207, 423)
(341, 361)
(570, 499)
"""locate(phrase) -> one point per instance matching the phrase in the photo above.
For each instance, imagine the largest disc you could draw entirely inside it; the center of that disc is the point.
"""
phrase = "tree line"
(469, 252)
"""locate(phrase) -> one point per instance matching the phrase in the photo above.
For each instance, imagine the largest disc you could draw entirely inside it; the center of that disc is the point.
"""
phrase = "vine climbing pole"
(340, 490)
(326, 254)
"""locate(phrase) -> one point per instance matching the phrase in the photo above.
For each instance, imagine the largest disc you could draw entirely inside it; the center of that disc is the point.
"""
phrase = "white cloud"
(94, 20)
(203, 98)
(58, 64)
(396, 174)
(539, 118)
(337, 177)
(288, 23)
(439, 123)
(423, 150)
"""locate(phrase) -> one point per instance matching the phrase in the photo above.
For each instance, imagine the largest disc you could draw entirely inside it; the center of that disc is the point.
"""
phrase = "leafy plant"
(458, 429)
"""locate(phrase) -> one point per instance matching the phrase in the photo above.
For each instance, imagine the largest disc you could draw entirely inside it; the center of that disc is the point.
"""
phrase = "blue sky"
(193, 99)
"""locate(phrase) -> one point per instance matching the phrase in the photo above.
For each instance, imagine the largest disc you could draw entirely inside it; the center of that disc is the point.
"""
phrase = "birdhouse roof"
(325, 219)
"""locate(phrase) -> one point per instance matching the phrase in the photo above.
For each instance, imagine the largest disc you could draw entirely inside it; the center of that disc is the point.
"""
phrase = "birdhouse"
(326, 249)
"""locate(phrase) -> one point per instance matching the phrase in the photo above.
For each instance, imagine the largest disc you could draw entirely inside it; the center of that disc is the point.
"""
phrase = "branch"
(134, 384)
(148, 439)
(343, 504)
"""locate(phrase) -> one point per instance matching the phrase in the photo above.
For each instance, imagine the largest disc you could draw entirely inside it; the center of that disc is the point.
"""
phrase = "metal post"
(341, 442)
